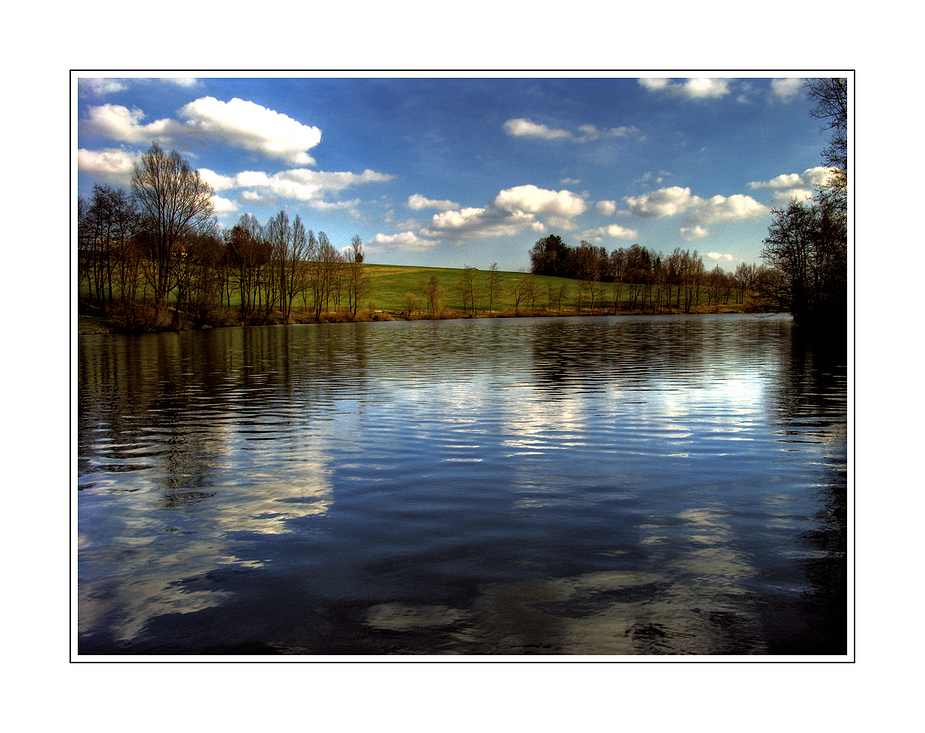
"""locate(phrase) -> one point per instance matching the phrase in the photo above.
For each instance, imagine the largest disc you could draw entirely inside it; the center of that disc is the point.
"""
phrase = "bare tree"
(358, 280)
(175, 201)
(432, 293)
(494, 286)
(466, 289)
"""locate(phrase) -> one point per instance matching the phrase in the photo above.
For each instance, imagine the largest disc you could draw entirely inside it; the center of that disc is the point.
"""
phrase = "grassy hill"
(397, 292)
(395, 288)
(392, 286)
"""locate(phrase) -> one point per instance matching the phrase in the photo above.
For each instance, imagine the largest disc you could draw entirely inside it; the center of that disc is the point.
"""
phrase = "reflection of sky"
(612, 511)
(135, 549)
(688, 602)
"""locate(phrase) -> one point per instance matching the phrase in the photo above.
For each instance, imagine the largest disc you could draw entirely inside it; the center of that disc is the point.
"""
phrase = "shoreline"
(100, 325)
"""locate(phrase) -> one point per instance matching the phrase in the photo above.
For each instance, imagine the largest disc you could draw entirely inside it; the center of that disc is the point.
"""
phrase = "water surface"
(625, 485)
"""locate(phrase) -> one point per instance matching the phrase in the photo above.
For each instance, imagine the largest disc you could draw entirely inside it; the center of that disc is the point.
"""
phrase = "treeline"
(250, 273)
(807, 242)
(647, 281)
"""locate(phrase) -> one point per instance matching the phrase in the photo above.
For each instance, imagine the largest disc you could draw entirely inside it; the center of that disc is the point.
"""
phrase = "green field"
(392, 285)
(398, 292)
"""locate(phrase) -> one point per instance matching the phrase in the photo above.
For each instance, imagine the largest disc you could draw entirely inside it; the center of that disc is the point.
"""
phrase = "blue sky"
(450, 171)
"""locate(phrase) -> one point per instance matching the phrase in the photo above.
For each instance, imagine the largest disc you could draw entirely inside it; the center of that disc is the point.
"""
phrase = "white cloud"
(252, 127)
(675, 200)
(530, 199)
(101, 87)
(417, 202)
(521, 127)
(613, 230)
(301, 184)
(218, 181)
(123, 124)
(786, 90)
(788, 186)
(721, 257)
(239, 123)
(606, 207)
(691, 89)
(722, 208)
(407, 241)
(478, 222)
(591, 132)
(657, 204)
(695, 232)
(112, 165)
(223, 206)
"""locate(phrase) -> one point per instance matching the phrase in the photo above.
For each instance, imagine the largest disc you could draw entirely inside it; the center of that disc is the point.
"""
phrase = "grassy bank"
(398, 292)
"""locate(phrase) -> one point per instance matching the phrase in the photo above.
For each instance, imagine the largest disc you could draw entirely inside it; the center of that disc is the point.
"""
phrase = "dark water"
(494, 487)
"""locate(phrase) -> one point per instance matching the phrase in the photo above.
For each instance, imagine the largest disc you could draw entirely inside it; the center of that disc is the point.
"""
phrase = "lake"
(666, 485)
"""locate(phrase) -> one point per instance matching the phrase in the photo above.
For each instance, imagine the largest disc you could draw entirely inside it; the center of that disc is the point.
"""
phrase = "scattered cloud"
(521, 127)
(101, 87)
(218, 181)
(238, 123)
(298, 184)
(252, 127)
(788, 186)
(111, 165)
(606, 207)
(716, 256)
(407, 241)
(723, 208)
(512, 211)
(476, 222)
(223, 206)
(123, 124)
(532, 200)
(786, 90)
(691, 89)
(689, 234)
(663, 202)
(417, 202)
(613, 231)
(676, 200)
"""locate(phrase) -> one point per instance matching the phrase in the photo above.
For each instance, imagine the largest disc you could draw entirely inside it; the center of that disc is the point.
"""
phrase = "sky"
(454, 171)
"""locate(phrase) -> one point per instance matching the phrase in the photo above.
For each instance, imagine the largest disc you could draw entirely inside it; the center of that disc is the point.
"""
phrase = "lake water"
(562, 486)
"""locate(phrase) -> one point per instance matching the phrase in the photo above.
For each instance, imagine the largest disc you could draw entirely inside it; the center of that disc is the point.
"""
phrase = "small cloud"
(606, 207)
(675, 200)
(717, 257)
(239, 123)
(691, 89)
(521, 127)
(786, 90)
(530, 199)
(417, 202)
(223, 206)
(101, 87)
(216, 180)
(689, 234)
(613, 231)
(406, 241)
(112, 165)
(252, 127)
(789, 186)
